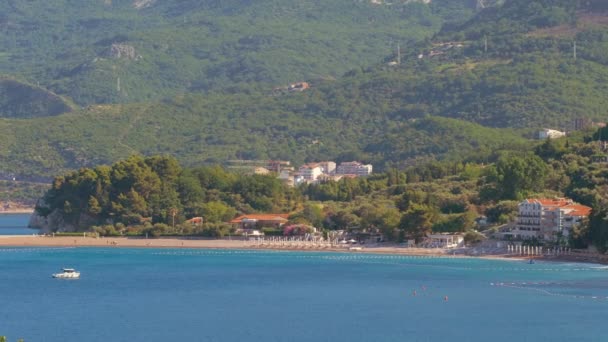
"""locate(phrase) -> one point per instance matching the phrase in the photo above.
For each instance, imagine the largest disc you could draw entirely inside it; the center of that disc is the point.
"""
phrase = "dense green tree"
(215, 212)
(410, 197)
(516, 176)
(381, 215)
(341, 220)
(579, 236)
(191, 192)
(417, 222)
(94, 207)
(551, 149)
(598, 231)
(502, 212)
(313, 214)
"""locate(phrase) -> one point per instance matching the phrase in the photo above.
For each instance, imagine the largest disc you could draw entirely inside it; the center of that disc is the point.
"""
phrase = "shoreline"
(17, 211)
(227, 244)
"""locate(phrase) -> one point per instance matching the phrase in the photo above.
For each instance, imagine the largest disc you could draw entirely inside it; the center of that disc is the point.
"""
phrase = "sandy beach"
(48, 241)
(135, 242)
(39, 240)
(17, 211)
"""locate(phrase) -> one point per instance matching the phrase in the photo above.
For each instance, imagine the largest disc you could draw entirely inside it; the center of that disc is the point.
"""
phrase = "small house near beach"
(445, 240)
(250, 222)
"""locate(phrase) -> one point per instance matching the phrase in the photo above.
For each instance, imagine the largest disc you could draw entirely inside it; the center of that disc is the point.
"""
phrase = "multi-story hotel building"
(547, 219)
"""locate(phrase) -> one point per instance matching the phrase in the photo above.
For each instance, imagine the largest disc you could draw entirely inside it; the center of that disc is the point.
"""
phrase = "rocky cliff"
(55, 222)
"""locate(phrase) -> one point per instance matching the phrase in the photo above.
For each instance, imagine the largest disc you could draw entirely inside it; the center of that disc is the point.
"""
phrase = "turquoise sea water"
(215, 295)
(15, 224)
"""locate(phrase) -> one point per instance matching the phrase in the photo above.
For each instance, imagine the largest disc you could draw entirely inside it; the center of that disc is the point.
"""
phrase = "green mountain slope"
(525, 64)
(217, 128)
(451, 96)
(22, 100)
(135, 50)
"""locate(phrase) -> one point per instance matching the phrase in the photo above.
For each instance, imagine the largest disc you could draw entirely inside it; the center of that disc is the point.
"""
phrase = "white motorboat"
(67, 273)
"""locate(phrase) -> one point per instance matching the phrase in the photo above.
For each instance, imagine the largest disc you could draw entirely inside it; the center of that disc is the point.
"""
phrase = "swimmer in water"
(414, 293)
(445, 298)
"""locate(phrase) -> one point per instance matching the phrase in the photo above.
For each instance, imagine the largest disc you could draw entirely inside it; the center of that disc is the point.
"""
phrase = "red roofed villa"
(195, 221)
(248, 223)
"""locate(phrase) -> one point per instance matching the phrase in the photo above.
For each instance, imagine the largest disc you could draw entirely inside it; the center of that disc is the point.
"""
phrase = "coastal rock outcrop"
(53, 222)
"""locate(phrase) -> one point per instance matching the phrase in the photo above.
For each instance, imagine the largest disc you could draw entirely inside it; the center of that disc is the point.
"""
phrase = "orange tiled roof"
(575, 209)
(309, 166)
(195, 220)
(578, 210)
(261, 217)
(548, 202)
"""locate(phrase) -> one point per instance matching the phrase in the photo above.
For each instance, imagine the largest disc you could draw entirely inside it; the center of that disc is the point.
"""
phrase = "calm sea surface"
(15, 224)
(213, 295)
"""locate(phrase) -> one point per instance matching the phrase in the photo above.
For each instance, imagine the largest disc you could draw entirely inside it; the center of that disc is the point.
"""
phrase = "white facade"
(328, 167)
(547, 219)
(310, 172)
(445, 240)
(550, 133)
(354, 168)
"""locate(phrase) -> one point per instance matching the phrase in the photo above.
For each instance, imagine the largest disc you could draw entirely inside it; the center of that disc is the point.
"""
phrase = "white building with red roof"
(547, 219)
(249, 223)
(312, 171)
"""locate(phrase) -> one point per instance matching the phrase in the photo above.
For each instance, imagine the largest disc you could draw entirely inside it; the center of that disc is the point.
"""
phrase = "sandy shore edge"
(118, 242)
(17, 211)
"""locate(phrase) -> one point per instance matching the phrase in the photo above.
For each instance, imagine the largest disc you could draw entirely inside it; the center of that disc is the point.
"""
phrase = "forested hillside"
(130, 51)
(479, 85)
(214, 129)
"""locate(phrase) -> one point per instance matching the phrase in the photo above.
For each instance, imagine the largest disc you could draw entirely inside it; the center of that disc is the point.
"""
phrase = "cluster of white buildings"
(547, 219)
(307, 173)
(327, 170)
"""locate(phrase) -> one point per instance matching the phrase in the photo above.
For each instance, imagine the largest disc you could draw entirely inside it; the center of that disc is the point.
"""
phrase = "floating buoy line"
(535, 286)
